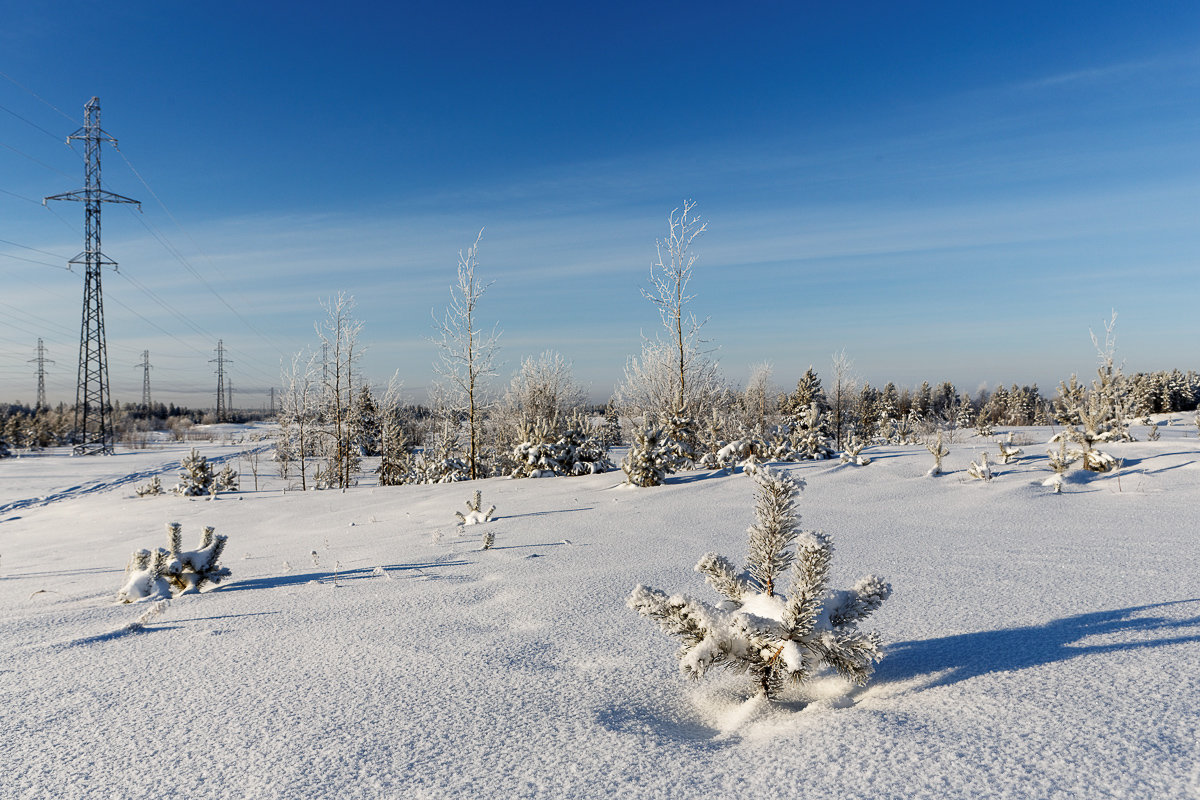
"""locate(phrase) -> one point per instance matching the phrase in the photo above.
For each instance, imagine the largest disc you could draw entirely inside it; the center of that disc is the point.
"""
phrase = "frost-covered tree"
(778, 639)
(339, 333)
(649, 459)
(226, 480)
(840, 394)
(853, 452)
(153, 487)
(1009, 452)
(1091, 425)
(466, 355)
(1060, 461)
(365, 423)
(298, 413)
(161, 574)
(476, 513)
(197, 476)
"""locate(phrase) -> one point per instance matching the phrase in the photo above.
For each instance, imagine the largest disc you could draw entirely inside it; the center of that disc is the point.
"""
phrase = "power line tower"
(221, 361)
(42, 361)
(229, 397)
(93, 409)
(145, 366)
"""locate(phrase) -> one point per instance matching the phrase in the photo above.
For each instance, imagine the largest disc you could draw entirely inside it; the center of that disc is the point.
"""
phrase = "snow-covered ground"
(1039, 645)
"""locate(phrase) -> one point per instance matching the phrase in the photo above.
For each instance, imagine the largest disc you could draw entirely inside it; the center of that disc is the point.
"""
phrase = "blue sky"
(947, 191)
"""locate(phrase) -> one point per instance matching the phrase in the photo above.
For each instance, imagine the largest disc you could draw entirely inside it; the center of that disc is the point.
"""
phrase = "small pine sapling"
(150, 489)
(1060, 461)
(161, 574)
(939, 452)
(475, 514)
(648, 460)
(853, 453)
(1008, 453)
(489, 539)
(981, 470)
(197, 477)
(778, 639)
(227, 480)
(1154, 434)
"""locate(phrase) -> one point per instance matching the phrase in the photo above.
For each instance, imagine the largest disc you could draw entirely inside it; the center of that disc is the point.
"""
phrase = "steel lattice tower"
(145, 367)
(41, 361)
(221, 361)
(93, 408)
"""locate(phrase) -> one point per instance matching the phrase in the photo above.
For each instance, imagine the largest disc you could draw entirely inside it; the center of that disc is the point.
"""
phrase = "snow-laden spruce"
(162, 573)
(778, 639)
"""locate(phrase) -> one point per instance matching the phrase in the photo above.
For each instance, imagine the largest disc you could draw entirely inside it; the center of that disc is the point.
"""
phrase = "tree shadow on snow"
(951, 659)
(329, 576)
(541, 513)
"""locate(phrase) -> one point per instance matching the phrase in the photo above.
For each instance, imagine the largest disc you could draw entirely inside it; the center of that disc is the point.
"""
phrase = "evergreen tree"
(778, 639)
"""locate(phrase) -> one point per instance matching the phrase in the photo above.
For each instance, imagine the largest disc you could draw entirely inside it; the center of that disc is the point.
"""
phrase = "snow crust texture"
(1039, 645)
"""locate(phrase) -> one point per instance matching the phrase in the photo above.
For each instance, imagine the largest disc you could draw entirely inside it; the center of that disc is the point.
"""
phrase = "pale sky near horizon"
(946, 191)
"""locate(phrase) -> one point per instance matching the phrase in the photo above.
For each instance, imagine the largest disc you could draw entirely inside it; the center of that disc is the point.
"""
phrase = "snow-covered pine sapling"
(1060, 462)
(149, 489)
(475, 513)
(939, 452)
(1009, 453)
(1154, 434)
(489, 539)
(196, 478)
(981, 470)
(189, 570)
(853, 452)
(162, 573)
(778, 639)
(226, 480)
(649, 459)
(145, 578)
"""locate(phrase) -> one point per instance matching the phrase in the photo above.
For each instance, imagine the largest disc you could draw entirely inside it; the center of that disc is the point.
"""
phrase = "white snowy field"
(1038, 646)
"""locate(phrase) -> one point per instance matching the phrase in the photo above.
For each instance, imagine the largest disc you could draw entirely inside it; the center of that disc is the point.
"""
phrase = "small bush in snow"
(160, 574)
(1008, 453)
(475, 514)
(982, 470)
(939, 452)
(1154, 434)
(778, 639)
(853, 452)
(149, 489)
(1060, 462)
(489, 539)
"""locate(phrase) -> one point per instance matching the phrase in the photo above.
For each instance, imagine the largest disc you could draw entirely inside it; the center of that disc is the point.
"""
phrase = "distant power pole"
(93, 410)
(42, 361)
(221, 361)
(145, 366)
(272, 401)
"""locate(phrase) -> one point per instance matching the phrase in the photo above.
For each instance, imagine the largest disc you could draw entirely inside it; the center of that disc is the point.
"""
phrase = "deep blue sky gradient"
(946, 190)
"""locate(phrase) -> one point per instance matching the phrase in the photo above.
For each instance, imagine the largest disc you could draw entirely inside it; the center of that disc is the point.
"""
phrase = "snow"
(1037, 644)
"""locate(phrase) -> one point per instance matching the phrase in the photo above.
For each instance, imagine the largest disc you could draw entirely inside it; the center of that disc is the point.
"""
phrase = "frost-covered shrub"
(853, 452)
(226, 480)
(1008, 453)
(579, 450)
(981, 470)
(1089, 426)
(938, 451)
(778, 639)
(161, 574)
(649, 460)
(197, 476)
(475, 512)
(1060, 461)
(153, 487)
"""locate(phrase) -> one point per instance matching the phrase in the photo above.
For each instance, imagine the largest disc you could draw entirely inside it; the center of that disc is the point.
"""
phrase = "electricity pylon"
(42, 361)
(220, 361)
(93, 408)
(145, 367)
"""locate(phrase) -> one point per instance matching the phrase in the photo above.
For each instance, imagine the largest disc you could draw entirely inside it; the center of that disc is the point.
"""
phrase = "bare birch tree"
(843, 390)
(466, 357)
(298, 414)
(669, 278)
(338, 333)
